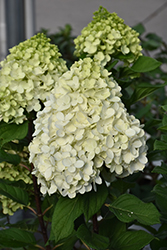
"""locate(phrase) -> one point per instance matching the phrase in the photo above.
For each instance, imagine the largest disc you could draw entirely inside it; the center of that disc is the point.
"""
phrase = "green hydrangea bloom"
(107, 36)
(27, 76)
(13, 173)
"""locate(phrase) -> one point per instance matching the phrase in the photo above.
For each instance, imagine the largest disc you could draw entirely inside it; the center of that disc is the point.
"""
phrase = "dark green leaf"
(122, 185)
(26, 225)
(69, 243)
(128, 208)
(142, 112)
(49, 202)
(122, 56)
(163, 128)
(145, 64)
(13, 146)
(93, 201)
(139, 28)
(110, 66)
(160, 169)
(161, 191)
(14, 237)
(150, 45)
(159, 244)
(10, 158)
(15, 193)
(131, 240)
(164, 108)
(160, 145)
(21, 184)
(144, 90)
(164, 120)
(92, 240)
(66, 211)
(12, 131)
(111, 227)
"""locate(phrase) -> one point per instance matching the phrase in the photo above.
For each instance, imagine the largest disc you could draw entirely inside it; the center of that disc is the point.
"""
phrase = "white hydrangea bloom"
(27, 76)
(107, 36)
(84, 124)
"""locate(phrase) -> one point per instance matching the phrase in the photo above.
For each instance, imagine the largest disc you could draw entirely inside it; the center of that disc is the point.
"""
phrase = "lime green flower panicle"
(83, 126)
(28, 74)
(12, 173)
(107, 36)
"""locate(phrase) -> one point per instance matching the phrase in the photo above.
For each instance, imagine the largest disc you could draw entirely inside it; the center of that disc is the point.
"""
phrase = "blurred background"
(21, 19)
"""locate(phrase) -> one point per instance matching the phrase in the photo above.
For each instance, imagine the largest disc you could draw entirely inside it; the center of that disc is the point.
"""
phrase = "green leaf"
(159, 244)
(92, 240)
(128, 208)
(14, 237)
(14, 146)
(161, 191)
(26, 225)
(160, 169)
(15, 193)
(10, 158)
(122, 185)
(145, 64)
(139, 28)
(122, 56)
(69, 243)
(93, 201)
(111, 227)
(12, 131)
(66, 211)
(143, 90)
(49, 202)
(163, 128)
(164, 120)
(112, 65)
(153, 42)
(131, 240)
(160, 145)
(164, 108)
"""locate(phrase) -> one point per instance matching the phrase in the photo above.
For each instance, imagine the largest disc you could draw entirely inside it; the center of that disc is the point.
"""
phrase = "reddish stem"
(39, 211)
(95, 224)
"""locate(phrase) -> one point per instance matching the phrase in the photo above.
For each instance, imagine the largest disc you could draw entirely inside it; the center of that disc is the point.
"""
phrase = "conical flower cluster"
(27, 76)
(13, 173)
(83, 129)
(107, 36)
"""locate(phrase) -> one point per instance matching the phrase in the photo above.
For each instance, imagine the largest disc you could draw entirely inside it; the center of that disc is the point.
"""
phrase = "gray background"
(52, 14)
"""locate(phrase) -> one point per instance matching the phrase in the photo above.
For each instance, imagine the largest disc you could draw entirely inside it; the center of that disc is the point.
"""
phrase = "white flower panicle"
(27, 76)
(107, 36)
(84, 124)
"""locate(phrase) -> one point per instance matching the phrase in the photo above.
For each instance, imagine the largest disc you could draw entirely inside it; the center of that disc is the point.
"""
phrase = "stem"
(39, 211)
(32, 210)
(86, 245)
(95, 224)
(24, 166)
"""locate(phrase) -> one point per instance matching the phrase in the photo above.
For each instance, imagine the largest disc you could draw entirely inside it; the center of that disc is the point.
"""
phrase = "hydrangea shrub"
(72, 151)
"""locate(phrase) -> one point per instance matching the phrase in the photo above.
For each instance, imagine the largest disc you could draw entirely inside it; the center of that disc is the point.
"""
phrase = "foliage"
(120, 214)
